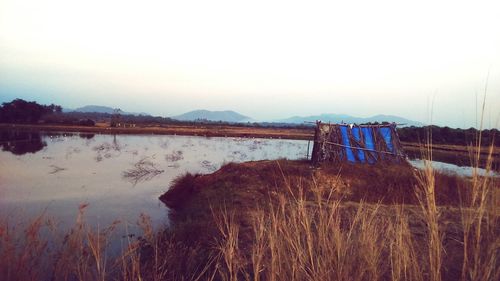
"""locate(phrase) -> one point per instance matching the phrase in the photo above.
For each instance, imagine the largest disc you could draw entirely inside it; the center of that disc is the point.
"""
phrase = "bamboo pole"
(365, 149)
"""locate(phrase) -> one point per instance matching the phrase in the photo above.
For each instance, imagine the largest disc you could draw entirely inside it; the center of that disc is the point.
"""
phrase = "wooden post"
(307, 153)
(316, 149)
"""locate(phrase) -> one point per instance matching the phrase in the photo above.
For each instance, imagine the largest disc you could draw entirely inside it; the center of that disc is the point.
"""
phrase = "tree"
(21, 111)
(19, 143)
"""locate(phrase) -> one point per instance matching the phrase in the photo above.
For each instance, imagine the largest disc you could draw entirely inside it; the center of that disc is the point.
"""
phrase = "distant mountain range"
(235, 117)
(339, 118)
(225, 116)
(100, 109)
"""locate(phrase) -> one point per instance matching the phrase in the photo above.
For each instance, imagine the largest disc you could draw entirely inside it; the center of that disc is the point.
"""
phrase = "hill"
(225, 116)
(339, 118)
(101, 109)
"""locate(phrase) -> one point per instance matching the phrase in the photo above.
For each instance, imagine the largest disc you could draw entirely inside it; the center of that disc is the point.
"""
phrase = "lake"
(119, 176)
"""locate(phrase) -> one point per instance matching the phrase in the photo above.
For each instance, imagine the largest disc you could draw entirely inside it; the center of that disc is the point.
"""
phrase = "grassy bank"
(285, 221)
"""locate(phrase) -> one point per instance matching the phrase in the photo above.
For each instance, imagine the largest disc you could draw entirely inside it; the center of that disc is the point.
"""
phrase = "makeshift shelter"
(356, 143)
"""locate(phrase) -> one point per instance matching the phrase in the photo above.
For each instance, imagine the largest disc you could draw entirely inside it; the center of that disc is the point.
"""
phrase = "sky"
(429, 61)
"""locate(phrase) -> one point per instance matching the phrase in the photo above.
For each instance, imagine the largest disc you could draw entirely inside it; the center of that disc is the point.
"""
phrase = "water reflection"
(108, 150)
(452, 169)
(87, 136)
(440, 156)
(21, 142)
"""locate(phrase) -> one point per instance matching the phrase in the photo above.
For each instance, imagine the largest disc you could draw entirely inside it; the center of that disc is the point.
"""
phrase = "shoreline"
(216, 131)
(455, 154)
(186, 130)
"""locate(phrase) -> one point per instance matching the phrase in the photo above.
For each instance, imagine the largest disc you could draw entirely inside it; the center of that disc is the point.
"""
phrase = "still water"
(120, 176)
(453, 169)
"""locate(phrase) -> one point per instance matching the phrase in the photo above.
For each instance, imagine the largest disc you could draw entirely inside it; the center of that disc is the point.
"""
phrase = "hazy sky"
(266, 59)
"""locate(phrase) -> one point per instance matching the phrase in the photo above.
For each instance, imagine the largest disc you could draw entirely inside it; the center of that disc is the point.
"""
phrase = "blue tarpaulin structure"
(356, 143)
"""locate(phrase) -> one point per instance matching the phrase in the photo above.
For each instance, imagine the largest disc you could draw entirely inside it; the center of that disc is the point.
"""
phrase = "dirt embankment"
(246, 182)
(242, 188)
(266, 187)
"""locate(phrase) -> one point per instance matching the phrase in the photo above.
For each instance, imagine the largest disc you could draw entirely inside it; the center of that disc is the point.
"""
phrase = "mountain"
(101, 109)
(225, 116)
(339, 118)
(95, 108)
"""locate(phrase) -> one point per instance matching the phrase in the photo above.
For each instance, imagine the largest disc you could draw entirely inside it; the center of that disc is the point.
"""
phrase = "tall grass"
(299, 239)
(38, 251)
(303, 238)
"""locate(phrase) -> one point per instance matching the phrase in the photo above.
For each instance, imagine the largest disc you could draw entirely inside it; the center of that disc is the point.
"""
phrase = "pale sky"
(265, 59)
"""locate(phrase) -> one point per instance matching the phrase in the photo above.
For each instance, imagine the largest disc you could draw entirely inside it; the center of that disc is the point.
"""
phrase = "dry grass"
(39, 252)
(297, 238)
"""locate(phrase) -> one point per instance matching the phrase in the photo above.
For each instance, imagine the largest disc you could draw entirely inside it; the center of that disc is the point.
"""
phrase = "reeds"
(480, 217)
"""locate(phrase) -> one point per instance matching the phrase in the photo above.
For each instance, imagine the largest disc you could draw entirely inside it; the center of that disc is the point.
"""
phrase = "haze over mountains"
(226, 116)
(339, 118)
(235, 117)
(100, 109)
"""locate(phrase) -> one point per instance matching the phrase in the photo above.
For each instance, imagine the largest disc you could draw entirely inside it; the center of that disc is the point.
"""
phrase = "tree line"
(21, 111)
(447, 135)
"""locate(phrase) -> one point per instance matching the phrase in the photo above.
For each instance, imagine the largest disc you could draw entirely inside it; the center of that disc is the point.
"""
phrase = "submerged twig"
(56, 169)
(174, 156)
(143, 170)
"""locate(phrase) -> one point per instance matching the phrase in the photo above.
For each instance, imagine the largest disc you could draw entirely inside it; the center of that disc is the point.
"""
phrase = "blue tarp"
(364, 137)
(345, 141)
(369, 144)
(386, 134)
(357, 136)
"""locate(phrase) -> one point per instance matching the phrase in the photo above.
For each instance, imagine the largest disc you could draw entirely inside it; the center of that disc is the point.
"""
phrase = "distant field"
(198, 130)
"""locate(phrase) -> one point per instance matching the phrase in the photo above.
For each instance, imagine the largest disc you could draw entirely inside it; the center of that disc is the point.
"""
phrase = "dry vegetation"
(283, 220)
(143, 170)
(316, 225)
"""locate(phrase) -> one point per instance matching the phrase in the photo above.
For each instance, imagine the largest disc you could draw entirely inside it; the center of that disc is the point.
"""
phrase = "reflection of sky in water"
(72, 170)
(452, 169)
